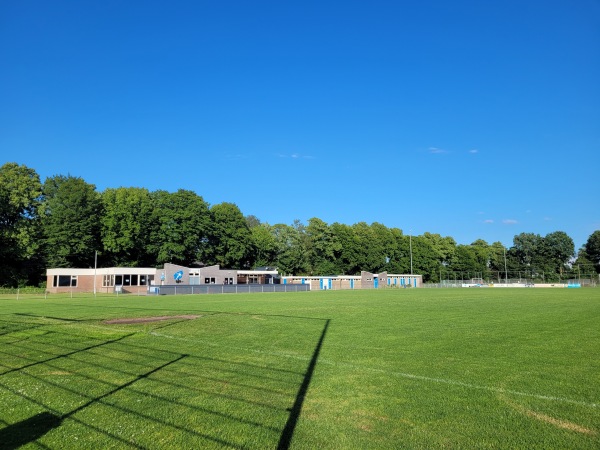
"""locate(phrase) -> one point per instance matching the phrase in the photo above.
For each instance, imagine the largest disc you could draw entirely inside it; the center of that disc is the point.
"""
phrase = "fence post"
(18, 290)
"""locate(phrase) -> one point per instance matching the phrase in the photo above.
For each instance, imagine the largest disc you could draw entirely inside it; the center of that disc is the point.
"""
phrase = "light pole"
(410, 247)
(95, 269)
(505, 269)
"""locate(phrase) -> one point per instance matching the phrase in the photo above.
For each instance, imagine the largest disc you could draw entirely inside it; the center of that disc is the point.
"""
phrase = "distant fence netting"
(173, 289)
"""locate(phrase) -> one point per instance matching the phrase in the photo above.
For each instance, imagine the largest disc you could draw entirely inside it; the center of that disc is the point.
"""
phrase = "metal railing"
(174, 289)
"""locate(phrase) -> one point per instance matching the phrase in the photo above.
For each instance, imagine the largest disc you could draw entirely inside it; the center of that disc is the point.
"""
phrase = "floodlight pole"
(505, 269)
(95, 269)
(410, 246)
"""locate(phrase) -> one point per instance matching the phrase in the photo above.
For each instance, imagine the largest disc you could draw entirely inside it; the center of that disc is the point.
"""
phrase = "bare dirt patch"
(129, 320)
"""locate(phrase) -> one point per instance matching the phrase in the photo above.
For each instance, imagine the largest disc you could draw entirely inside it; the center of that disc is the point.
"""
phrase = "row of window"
(127, 280)
(107, 280)
(137, 280)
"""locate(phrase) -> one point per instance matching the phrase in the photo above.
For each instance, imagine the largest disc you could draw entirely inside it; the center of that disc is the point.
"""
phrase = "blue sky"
(471, 119)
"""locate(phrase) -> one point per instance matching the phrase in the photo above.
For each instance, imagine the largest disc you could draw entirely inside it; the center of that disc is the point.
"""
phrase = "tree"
(525, 254)
(20, 191)
(71, 215)
(229, 239)
(264, 244)
(321, 247)
(127, 224)
(498, 257)
(384, 240)
(483, 255)
(252, 221)
(397, 252)
(558, 250)
(592, 249)
(444, 247)
(345, 255)
(425, 259)
(369, 247)
(181, 224)
(465, 263)
(291, 248)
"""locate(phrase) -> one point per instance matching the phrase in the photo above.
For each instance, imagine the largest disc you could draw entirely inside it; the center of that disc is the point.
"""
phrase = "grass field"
(421, 368)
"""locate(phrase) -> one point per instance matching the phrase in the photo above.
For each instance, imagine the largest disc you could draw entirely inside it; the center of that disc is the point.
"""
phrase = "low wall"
(174, 289)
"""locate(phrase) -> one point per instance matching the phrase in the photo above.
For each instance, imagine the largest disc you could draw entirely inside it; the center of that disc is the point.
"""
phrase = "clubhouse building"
(142, 280)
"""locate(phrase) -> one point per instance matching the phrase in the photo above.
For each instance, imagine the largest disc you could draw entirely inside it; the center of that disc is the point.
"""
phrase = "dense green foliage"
(377, 369)
(20, 192)
(70, 218)
(65, 222)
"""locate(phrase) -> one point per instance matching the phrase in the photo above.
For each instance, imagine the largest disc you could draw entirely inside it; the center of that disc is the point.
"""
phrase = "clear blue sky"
(471, 119)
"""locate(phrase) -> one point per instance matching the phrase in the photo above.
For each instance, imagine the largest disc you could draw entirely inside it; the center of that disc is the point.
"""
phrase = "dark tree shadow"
(28, 430)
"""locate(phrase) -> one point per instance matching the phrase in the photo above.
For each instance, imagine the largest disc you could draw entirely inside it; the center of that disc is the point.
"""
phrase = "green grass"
(420, 368)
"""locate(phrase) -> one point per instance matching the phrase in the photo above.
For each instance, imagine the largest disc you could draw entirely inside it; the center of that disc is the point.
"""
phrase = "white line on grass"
(396, 374)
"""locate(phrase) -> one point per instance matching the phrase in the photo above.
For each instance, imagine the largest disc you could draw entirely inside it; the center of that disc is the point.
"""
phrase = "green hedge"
(23, 290)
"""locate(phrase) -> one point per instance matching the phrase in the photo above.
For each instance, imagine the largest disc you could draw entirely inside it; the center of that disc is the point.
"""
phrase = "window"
(118, 280)
(108, 280)
(134, 280)
(142, 280)
(64, 281)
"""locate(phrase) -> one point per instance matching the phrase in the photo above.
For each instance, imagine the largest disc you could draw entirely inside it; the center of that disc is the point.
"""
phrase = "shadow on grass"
(9, 327)
(64, 355)
(28, 430)
(33, 428)
(288, 431)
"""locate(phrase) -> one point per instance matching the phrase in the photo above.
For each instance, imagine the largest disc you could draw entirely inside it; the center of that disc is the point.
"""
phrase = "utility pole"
(95, 269)
(410, 244)
(505, 268)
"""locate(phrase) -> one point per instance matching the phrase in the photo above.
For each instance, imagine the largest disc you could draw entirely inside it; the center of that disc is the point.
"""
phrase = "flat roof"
(257, 272)
(103, 271)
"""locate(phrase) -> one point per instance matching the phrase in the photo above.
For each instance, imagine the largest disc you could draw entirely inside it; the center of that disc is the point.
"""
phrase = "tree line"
(66, 222)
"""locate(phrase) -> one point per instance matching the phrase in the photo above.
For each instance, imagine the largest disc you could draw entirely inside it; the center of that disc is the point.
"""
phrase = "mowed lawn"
(413, 368)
